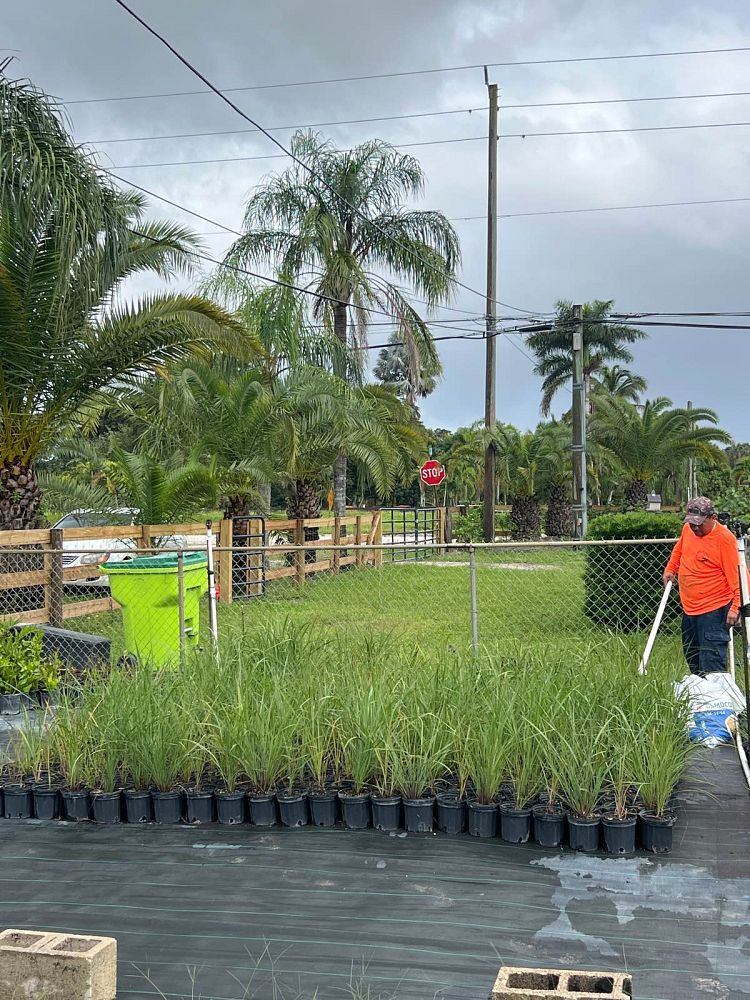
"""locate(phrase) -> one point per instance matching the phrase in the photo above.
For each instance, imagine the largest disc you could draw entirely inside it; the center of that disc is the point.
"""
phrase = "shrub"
(22, 664)
(468, 527)
(623, 582)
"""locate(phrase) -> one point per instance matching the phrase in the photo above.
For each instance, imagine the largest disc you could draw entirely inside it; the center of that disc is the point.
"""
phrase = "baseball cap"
(698, 509)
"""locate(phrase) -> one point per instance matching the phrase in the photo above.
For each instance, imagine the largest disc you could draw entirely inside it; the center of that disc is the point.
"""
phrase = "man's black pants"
(705, 639)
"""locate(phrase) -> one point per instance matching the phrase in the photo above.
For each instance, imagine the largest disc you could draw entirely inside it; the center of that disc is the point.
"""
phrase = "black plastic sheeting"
(226, 913)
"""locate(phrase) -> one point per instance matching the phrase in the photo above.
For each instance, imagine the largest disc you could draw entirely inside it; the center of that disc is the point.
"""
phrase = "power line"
(438, 142)
(408, 117)
(604, 208)
(405, 73)
(289, 153)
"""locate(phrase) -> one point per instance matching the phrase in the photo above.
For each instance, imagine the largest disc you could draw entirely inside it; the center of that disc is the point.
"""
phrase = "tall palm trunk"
(340, 319)
(19, 497)
(304, 503)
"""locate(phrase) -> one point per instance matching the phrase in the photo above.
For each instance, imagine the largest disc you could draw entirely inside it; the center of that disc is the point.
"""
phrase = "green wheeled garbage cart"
(147, 588)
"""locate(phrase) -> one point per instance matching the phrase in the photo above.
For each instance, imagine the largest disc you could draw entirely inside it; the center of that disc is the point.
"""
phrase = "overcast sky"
(664, 259)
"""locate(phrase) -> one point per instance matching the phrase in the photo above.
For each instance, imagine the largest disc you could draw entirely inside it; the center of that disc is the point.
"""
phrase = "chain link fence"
(495, 596)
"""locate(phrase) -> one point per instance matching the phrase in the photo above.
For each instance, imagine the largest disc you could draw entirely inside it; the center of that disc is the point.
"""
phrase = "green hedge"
(623, 582)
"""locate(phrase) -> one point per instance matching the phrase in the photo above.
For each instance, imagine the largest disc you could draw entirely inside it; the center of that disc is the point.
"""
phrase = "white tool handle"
(654, 629)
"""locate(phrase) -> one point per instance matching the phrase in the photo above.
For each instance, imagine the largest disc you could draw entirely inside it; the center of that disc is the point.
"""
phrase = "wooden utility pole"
(580, 491)
(488, 520)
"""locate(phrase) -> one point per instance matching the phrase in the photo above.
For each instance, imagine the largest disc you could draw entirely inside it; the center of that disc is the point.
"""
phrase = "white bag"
(715, 703)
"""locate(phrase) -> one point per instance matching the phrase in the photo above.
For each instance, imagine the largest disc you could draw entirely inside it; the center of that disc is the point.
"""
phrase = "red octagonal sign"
(432, 473)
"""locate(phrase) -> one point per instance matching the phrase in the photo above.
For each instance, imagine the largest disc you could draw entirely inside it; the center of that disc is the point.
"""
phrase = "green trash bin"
(147, 590)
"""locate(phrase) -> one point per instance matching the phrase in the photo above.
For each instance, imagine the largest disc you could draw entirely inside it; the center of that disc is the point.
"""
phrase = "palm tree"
(620, 382)
(531, 457)
(643, 442)
(67, 242)
(558, 520)
(393, 368)
(603, 341)
(337, 233)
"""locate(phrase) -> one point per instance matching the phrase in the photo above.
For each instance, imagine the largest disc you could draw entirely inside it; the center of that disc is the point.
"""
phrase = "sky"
(676, 259)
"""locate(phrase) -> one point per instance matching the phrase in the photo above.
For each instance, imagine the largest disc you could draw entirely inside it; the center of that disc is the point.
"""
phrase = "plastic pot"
(263, 809)
(46, 802)
(386, 812)
(138, 806)
(10, 704)
(324, 808)
(230, 807)
(419, 814)
(167, 807)
(619, 835)
(18, 802)
(549, 827)
(293, 809)
(515, 824)
(451, 814)
(656, 832)
(583, 833)
(200, 805)
(28, 702)
(482, 819)
(76, 805)
(355, 810)
(107, 807)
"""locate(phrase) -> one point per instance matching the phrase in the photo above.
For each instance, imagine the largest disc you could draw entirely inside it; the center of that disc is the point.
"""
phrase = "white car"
(95, 551)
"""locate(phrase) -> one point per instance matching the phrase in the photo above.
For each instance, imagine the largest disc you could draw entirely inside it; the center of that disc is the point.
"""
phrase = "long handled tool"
(654, 629)
(745, 613)
(212, 624)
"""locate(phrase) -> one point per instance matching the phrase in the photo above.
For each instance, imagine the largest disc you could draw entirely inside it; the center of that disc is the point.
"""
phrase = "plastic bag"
(715, 703)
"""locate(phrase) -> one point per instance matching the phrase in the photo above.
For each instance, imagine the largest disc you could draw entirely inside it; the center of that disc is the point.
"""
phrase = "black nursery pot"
(46, 802)
(200, 805)
(549, 827)
(18, 802)
(583, 833)
(263, 808)
(515, 824)
(230, 807)
(10, 704)
(451, 814)
(386, 812)
(482, 819)
(355, 810)
(293, 809)
(138, 806)
(419, 814)
(107, 807)
(324, 808)
(77, 805)
(656, 832)
(619, 835)
(167, 807)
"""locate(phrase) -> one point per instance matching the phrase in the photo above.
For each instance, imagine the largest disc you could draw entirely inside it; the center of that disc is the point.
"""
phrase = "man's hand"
(732, 618)
(669, 578)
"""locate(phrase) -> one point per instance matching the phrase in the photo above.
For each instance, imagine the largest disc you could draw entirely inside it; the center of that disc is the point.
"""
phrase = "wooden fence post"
(224, 562)
(358, 540)
(55, 576)
(448, 525)
(336, 541)
(145, 541)
(299, 555)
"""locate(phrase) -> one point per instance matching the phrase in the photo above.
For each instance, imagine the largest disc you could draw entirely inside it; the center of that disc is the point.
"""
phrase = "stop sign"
(432, 473)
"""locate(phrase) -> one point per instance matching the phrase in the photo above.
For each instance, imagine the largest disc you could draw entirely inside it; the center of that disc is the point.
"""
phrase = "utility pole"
(488, 519)
(691, 466)
(580, 491)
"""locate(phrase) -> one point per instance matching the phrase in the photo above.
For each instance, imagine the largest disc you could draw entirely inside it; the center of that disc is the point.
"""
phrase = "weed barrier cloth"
(411, 917)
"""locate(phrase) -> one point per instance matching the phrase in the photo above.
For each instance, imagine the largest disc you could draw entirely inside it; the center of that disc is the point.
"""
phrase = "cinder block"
(551, 984)
(37, 965)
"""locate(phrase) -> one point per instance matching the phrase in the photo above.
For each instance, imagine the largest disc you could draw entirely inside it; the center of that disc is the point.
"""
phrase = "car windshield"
(89, 519)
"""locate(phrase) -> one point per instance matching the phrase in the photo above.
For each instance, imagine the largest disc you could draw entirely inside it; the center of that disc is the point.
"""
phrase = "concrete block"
(40, 965)
(551, 984)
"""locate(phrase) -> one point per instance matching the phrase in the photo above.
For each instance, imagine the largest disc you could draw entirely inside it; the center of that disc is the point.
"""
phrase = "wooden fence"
(34, 559)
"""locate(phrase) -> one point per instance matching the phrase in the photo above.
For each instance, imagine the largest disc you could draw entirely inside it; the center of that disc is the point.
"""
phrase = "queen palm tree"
(343, 230)
(603, 341)
(620, 382)
(68, 240)
(643, 442)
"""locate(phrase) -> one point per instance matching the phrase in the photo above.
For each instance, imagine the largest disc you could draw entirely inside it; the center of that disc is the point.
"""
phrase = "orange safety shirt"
(707, 570)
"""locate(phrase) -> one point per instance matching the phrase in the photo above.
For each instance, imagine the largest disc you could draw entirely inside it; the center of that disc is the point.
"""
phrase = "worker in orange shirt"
(704, 562)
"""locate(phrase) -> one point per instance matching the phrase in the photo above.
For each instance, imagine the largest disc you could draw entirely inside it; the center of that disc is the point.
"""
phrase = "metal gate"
(411, 531)
(248, 562)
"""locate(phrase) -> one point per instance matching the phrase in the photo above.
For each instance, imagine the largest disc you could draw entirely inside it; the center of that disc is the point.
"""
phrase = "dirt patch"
(521, 566)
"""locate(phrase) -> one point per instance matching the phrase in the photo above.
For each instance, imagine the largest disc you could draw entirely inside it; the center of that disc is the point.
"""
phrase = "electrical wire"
(290, 154)
(413, 72)
(407, 117)
(604, 208)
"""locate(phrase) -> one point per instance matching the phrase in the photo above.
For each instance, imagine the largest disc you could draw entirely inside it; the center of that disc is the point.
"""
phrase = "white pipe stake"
(731, 654)
(212, 622)
(654, 629)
